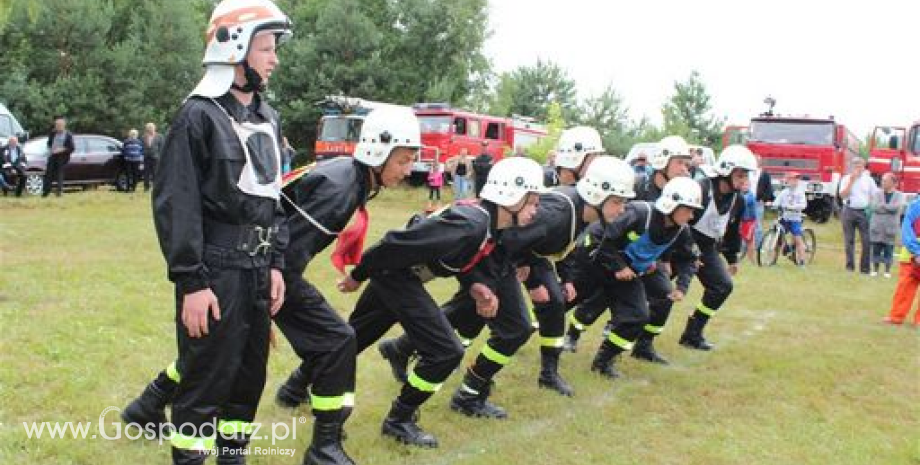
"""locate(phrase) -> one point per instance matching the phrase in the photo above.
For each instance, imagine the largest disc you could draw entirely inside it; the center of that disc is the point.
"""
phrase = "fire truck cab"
(340, 126)
(446, 131)
(820, 149)
(896, 149)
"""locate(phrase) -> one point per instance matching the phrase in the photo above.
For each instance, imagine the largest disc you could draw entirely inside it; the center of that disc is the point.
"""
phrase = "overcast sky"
(855, 60)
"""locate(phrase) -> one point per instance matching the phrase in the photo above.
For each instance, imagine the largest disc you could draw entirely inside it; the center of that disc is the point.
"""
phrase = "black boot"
(471, 398)
(326, 448)
(402, 424)
(149, 410)
(399, 361)
(645, 350)
(603, 363)
(232, 449)
(188, 457)
(549, 372)
(693, 334)
(295, 391)
(570, 344)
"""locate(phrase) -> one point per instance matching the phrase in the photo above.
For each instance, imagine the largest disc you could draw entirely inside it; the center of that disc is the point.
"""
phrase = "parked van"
(10, 127)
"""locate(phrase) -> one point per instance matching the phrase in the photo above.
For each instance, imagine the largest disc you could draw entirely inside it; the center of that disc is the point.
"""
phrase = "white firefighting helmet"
(233, 25)
(575, 144)
(385, 129)
(607, 176)
(668, 148)
(735, 156)
(680, 191)
(511, 179)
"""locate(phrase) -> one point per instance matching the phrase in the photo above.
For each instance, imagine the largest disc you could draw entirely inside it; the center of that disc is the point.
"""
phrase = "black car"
(96, 161)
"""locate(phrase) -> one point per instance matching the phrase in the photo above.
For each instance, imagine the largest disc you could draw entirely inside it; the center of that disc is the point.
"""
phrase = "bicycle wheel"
(811, 245)
(769, 247)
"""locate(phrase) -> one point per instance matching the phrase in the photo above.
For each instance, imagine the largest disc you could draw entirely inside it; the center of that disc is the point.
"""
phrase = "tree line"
(110, 65)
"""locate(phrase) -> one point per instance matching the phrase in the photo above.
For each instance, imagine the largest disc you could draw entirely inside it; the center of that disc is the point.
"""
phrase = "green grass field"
(804, 372)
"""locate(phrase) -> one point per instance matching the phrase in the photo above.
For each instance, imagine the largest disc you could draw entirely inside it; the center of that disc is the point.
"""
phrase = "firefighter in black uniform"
(319, 206)
(715, 231)
(319, 203)
(620, 258)
(563, 213)
(217, 212)
(459, 241)
(670, 161)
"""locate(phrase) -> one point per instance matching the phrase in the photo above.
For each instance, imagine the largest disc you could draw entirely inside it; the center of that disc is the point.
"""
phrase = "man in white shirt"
(856, 190)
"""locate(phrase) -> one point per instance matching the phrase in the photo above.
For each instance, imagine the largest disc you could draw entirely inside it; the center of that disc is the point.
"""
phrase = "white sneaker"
(887, 275)
(873, 274)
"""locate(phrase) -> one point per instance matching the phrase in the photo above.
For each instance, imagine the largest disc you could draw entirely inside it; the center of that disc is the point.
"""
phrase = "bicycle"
(778, 241)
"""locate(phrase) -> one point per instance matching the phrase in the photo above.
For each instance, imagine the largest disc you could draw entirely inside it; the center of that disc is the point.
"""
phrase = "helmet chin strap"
(514, 214)
(378, 182)
(254, 82)
(599, 209)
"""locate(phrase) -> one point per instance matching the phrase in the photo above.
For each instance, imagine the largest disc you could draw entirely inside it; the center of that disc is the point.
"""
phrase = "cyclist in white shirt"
(792, 201)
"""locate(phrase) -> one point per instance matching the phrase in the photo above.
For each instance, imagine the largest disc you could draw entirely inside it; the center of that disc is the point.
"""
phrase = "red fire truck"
(819, 148)
(897, 149)
(340, 126)
(446, 131)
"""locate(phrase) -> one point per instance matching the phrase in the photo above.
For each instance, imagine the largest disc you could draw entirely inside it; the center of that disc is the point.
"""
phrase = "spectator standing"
(550, 175)
(287, 156)
(153, 145)
(763, 192)
(133, 151)
(60, 144)
(481, 167)
(460, 172)
(883, 226)
(435, 182)
(856, 193)
(748, 222)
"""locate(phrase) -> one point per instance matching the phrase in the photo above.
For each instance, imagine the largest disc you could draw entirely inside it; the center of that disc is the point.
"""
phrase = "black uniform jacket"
(329, 194)
(555, 229)
(683, 254)
(446, 244)
(196, 182)
(604, 245)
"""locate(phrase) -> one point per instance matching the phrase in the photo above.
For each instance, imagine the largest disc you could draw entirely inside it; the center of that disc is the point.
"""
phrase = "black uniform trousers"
(629, 301)
(550, 314)
(509, 330)
(223, 373)
(657, 289)
(400, 297)
(322, 339)
(714, 276)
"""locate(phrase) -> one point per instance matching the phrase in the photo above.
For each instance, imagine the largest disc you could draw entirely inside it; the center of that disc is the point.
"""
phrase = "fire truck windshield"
(340, 128)
(434, 124)
(793, 132)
